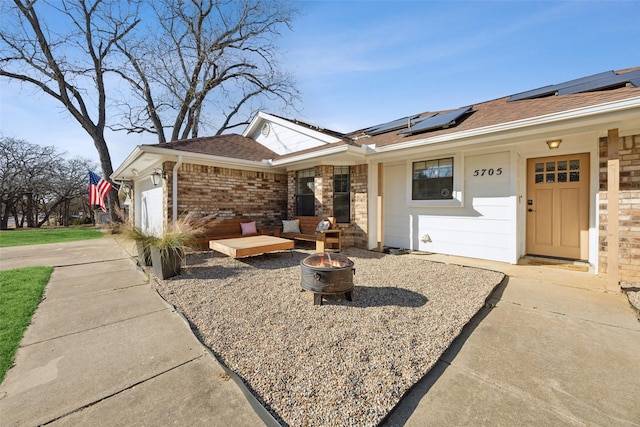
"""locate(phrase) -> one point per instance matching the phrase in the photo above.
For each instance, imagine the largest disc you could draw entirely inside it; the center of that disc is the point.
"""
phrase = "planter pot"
(166, 262)
(144, 255)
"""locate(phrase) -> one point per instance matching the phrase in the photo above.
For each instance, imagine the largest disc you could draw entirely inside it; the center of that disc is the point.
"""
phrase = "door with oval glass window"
(558, 206)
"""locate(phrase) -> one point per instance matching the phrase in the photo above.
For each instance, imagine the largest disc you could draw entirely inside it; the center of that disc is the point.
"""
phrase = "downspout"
(174, 182)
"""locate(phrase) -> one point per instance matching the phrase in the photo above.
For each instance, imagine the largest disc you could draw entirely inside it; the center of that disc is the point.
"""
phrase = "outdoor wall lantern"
(554, 144)
(155, 177)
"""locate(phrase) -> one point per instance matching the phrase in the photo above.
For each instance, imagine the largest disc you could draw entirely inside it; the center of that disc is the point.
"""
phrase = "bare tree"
(62, 49)
(24, 171)
(67, 189)
(36, 180)
(208, 63)
(189, 55)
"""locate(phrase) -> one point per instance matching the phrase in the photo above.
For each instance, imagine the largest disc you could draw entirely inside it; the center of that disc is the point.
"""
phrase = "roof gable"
(284, 136)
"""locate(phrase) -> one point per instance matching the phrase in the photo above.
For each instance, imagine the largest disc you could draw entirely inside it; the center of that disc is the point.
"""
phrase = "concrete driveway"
(551, 348)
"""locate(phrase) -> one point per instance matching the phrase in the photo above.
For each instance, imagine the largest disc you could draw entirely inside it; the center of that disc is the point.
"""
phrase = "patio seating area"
(217, 229)
(305, 228)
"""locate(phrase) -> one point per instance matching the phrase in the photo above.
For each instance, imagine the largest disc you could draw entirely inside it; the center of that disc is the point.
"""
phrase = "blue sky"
(360, 63)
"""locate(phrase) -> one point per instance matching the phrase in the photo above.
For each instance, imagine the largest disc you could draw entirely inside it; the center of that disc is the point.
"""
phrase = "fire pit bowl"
(327, 274)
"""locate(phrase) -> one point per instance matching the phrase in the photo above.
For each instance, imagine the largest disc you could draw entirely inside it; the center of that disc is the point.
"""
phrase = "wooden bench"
(327, 240)
(217, 229)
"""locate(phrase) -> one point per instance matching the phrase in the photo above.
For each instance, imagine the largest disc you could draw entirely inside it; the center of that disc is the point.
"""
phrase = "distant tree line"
(37, 183)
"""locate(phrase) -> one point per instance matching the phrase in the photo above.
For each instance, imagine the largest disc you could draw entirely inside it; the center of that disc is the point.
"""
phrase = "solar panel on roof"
(389, 126)
(607, 82)
(552, 89)
(436, 121)
(542, 91)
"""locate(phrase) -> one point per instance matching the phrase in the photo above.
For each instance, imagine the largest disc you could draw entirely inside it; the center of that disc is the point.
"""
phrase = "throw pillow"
(248, 227)
(292, 226)
(323, 225)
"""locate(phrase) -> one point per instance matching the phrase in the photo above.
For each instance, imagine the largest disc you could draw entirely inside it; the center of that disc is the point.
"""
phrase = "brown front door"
(558, 206)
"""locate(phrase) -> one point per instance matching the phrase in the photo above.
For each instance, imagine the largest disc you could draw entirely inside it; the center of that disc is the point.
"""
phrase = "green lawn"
(20, 292)
(40, 236)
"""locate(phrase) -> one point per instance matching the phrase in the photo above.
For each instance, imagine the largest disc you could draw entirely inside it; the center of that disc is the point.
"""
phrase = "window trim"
(457, 199)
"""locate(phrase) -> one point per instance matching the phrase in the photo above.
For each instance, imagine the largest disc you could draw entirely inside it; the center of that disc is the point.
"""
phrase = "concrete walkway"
(552, 348)
(104, 349)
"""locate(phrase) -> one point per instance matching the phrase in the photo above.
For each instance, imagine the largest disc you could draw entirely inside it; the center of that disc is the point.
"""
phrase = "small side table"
(328, 240)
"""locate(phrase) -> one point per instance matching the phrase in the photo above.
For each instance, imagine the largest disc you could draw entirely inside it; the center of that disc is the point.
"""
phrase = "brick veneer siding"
(209, 191)
(324, 190)
(354, 233)
(291, 194)
(359, 205)
(629, 209)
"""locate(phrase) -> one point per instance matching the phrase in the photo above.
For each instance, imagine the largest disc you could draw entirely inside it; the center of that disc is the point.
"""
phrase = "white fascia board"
(131, 158)
(165, 154)
(259, 118)
(519, 125)
(255, 124)
(207, 158)
(315, 155)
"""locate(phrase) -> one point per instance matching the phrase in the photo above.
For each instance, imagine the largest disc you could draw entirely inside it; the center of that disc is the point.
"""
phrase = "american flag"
(98, 190)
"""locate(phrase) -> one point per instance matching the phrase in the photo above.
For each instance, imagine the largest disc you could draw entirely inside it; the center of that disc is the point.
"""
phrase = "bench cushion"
(218, 229)
(323, 225)
(292, 226)
(298, 236)
(248, 228)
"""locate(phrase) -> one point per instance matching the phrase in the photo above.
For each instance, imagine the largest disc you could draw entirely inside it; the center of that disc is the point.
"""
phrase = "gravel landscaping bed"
(342, 363)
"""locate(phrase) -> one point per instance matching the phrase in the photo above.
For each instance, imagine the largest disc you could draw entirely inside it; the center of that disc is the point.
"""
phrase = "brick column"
(291, 194)
(619, 211)
(629, 212)
(613, 188)
(359, 205)
(324, 190)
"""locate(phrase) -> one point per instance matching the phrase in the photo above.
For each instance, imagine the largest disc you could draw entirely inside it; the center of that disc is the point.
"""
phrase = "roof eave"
(340, 149)
(165, 154)
(119, 173)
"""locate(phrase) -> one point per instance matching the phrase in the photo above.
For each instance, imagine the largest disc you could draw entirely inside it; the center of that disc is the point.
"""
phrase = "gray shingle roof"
(500, 111)
(229, 145)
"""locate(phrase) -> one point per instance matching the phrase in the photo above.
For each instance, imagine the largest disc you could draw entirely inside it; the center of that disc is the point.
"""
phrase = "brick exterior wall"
(208, 191)
(354, 233)
(360, 205)
(629, 209)
(324, 190)
(291, 197)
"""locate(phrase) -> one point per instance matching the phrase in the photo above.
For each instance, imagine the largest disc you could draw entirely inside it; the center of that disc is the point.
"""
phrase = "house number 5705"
(487, 172)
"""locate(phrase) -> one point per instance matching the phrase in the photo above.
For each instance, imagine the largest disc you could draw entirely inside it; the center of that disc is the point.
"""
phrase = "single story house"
(554, 172)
